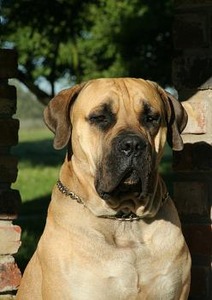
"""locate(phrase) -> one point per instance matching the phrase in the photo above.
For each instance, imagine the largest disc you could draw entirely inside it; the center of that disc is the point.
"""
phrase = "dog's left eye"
(151, 120)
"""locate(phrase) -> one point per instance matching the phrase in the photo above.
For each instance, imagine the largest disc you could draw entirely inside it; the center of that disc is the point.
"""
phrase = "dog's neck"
(120, 216)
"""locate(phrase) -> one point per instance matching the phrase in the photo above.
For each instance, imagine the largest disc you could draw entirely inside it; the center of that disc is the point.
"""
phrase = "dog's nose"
(132, 145)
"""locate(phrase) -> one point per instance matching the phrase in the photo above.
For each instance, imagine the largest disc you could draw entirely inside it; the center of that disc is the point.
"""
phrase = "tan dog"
(112, 231)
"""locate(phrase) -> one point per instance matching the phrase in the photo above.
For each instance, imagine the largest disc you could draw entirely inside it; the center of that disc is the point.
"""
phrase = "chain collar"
(120, 216)
(64, 190)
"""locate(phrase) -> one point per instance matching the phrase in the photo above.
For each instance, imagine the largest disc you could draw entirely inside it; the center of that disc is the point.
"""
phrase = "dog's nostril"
(131, 145)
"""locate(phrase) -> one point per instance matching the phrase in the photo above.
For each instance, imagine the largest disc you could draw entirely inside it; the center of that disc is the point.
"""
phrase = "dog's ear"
(57, 115)
(176, 118)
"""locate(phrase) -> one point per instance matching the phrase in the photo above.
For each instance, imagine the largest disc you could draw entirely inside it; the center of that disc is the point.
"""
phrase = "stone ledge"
(195, 138)
(196, 116)
(10, 275)
(11, 235)
(199, 126)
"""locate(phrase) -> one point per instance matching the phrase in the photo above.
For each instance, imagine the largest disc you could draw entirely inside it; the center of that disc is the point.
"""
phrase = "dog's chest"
(137, 265)
(128, 266)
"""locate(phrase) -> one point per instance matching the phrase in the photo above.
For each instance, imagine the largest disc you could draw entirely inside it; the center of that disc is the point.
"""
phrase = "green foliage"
(129, 40)
(88, 39)
(38, 30)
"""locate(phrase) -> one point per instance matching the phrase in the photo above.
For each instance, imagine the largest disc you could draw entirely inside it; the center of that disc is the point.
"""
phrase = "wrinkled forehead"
(119, 92)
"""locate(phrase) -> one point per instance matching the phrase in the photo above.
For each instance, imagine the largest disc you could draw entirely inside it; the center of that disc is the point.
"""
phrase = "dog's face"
(118, 129)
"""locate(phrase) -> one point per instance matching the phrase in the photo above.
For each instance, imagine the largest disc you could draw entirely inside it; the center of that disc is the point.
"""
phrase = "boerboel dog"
(112, 231)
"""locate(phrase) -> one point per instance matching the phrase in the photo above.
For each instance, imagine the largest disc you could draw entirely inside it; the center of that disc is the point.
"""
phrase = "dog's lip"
(125, 206)
(129, 184)
(130, 178)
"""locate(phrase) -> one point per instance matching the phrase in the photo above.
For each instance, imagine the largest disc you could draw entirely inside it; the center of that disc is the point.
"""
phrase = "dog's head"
(116, 130)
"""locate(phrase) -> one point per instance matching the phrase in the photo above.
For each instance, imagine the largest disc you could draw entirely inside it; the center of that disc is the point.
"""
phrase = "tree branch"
(42, 96)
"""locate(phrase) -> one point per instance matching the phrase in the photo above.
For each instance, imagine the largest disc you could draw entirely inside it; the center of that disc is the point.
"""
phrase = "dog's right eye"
(101, 121)
(102, 118)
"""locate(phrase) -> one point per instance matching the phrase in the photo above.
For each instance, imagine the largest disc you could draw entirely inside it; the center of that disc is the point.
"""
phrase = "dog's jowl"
(112, 231)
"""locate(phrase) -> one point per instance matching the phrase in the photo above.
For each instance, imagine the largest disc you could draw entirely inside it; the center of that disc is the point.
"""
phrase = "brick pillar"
(9, 199)
(192, 77)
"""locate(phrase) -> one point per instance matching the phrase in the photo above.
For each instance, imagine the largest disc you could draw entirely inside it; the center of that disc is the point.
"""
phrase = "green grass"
(38, 164)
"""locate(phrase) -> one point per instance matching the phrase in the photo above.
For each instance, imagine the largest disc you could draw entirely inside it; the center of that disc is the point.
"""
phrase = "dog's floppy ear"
(176, 118)
(56, 115)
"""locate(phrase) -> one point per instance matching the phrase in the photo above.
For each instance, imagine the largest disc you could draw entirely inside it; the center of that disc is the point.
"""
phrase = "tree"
(78, 40)
(128, 38)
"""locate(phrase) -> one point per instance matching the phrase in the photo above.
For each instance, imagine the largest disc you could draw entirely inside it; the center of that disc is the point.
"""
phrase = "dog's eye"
(103, 118)
(101, 121)
(98, 119)
(151, 120)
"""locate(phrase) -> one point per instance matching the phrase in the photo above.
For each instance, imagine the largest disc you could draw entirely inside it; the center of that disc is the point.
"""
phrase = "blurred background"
(61, 43)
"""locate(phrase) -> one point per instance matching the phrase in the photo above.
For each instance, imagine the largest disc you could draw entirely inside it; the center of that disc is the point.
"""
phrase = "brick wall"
(9, 199)
(192, 77)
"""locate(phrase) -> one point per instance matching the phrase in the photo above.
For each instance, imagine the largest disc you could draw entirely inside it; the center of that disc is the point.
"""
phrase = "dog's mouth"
(130, 185)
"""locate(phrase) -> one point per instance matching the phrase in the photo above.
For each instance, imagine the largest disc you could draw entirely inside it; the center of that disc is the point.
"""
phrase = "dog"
(112, 231)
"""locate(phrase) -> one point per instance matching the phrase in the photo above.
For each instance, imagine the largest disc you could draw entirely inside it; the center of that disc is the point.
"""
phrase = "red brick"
(8, 168)
(7, 100)
(186, 70)
(200, 282)
(197, 156)
(198, 238)
(9, 132)
(10, 201)
(191, 198)
(8, 63)
(188, 4)
(193, 30)
(10, 275)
